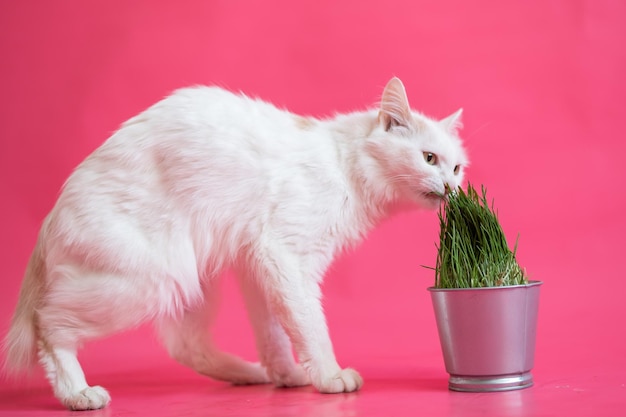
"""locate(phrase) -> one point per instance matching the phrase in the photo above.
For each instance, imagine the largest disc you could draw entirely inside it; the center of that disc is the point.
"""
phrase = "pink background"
(542, 84)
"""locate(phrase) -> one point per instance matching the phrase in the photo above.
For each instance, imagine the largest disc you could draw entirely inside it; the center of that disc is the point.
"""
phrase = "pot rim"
(503, 287)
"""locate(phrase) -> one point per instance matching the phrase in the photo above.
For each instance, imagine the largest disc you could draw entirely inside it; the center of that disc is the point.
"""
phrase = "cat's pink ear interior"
(453, 122)
(394, 106)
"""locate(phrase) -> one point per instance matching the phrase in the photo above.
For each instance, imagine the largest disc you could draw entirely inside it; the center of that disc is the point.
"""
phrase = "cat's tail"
(20, 344)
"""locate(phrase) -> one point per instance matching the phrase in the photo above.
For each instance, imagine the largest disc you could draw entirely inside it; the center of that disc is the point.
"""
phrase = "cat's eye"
(457, 169)
(430, 158)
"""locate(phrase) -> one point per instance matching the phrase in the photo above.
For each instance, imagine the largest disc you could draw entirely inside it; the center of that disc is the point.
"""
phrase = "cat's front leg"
(294, 298)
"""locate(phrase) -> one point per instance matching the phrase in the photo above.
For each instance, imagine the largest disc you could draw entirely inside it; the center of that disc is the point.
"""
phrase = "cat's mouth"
(434, 197)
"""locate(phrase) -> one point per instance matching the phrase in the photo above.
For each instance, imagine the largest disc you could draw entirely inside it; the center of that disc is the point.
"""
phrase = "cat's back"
(207, 126)
(212, 107)
(200, 137)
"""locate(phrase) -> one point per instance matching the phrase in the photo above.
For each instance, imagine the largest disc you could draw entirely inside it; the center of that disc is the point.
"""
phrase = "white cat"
(206, 180)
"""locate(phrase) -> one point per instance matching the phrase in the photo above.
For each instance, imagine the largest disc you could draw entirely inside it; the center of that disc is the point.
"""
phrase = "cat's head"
(418, 157)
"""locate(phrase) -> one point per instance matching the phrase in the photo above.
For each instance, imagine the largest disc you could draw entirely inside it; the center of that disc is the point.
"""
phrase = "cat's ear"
(394, 106)
(453, 122)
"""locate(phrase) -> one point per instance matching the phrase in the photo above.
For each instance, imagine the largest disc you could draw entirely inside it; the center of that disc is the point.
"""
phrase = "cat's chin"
(432, 199)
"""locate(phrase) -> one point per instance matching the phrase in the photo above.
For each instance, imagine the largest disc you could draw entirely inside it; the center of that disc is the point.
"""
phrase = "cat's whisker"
(401, 178)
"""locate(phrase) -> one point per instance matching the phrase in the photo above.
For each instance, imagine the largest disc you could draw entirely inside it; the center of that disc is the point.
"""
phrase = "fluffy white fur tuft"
(204, 180)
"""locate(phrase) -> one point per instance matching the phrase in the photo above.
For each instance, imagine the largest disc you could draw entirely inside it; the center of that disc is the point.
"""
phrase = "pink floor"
(142, 394)
(579, 370)
(393, 390)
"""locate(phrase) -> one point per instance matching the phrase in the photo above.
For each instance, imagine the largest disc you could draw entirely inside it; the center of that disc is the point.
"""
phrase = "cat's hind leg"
(81, 304)
(68, 380)
(189, 342)
(70, 313)
(272, 342)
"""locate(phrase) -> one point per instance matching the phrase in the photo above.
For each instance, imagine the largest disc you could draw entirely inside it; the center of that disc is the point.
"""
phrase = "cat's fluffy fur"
(205, 180)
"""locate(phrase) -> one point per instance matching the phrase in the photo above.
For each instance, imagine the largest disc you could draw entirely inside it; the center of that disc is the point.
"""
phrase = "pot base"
(490, 383)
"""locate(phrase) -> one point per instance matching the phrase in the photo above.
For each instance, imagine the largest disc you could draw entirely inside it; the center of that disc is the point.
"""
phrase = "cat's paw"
(347, 380)
(294, 377)
(91, 398)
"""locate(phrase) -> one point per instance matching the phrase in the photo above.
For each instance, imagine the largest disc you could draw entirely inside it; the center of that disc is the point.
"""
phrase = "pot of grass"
(485, 307)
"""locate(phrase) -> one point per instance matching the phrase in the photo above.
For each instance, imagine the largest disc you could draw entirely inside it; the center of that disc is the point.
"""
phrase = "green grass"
(473, 251)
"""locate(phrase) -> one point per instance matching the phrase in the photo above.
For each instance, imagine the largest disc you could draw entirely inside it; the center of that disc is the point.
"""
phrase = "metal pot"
(488, 335)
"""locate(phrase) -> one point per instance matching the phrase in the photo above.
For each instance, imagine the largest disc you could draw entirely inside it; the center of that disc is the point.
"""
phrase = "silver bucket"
(488, 335)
